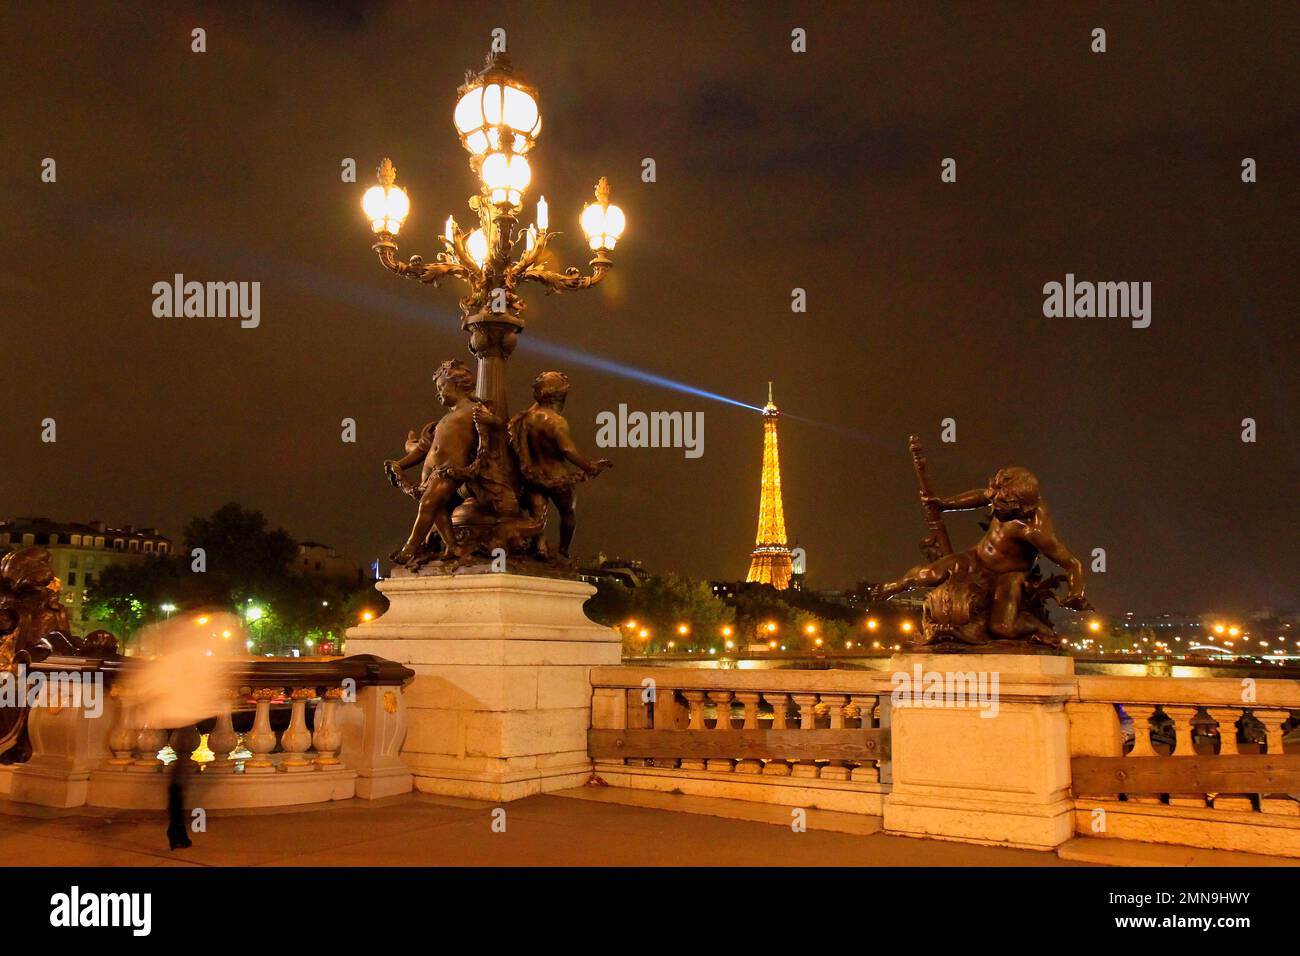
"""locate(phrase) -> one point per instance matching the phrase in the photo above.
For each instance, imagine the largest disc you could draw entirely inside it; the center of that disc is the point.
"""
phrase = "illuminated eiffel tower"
(771, 556)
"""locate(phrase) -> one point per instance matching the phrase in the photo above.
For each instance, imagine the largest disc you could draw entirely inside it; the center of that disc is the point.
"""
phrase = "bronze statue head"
(550, 388)
(1014, 492)
(27, 568)
(454, 381)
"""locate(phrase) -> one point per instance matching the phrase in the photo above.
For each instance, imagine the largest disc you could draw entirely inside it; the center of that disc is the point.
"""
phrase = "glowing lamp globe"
(496, 105)
(476, 245)
(506, 176)
(386, 205)
(602, 222)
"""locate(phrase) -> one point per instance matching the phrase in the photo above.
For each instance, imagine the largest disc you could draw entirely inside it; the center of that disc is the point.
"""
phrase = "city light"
(907, 628)
(367, 615)
(1094, 626)
(872, 624)
(683, 629)
(771, 627)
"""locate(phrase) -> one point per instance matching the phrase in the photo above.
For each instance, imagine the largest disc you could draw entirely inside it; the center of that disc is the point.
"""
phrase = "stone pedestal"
(501, 701)
(997, 774)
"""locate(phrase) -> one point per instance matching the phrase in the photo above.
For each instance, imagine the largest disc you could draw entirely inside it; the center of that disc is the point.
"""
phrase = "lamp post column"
(492, 338)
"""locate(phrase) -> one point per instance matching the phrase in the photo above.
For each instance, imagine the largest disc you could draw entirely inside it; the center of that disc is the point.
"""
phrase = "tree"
(126, 597)
(660, 607)
(248, 571)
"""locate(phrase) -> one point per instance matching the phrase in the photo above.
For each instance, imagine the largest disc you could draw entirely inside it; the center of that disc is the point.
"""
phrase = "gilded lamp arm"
(570, 278)
(447, 264)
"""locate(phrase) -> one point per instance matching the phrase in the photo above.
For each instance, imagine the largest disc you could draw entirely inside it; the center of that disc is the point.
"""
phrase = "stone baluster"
(749, 700)
(722, 700)
(1141, 714)
(1227, 720)
(807, 721)
(124, 734)
(184, 741)
(261, 739)
(779, 702)
(835, 769)
(1184, 746)
(867, 771)
(327, 737)
(1279, 803)
(296, 739)
(695, 703)
(222, 739)
(668, 715)
(148, 742)
(637, 700)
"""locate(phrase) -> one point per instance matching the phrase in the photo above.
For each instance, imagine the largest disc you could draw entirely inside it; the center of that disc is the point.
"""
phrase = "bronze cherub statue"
(992, 594)
(33, 626)
(485, 484)
(540, 439)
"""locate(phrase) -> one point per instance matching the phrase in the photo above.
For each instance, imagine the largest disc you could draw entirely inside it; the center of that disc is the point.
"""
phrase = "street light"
(498, 120)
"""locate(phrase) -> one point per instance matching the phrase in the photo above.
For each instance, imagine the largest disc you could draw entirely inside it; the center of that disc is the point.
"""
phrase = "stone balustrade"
(1190, 761)
(348, 746)
(802, 738)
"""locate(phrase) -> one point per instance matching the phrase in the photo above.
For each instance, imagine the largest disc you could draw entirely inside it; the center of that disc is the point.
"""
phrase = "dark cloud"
(774, 171)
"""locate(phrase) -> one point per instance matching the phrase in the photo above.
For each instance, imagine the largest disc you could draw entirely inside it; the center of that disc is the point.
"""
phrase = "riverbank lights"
(602, 222)
(496, 110)
(386, 205)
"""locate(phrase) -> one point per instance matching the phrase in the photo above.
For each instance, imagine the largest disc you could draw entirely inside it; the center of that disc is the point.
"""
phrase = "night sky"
(775, 170)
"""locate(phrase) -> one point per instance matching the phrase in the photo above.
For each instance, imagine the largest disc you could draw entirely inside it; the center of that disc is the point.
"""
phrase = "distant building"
(726, 589)
(625, 571)
(79, 553)
(320, 562)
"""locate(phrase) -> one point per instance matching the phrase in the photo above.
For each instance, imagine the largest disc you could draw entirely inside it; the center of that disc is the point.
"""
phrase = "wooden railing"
(1191, 750)
(726, 733)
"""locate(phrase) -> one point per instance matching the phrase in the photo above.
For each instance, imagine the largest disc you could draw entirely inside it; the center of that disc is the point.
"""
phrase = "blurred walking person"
(178, 678)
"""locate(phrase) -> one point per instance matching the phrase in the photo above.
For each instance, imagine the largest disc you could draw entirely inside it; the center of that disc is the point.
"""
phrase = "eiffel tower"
(771, 556)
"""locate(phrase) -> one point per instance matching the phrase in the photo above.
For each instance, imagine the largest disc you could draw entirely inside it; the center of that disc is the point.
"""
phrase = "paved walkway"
(419, 830)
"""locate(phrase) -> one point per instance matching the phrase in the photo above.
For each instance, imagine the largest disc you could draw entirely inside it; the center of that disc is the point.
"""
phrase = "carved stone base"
(501, 701)
(998, 774)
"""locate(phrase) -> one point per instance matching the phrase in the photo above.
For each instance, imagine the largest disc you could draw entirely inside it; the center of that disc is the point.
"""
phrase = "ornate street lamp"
(498, 121)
